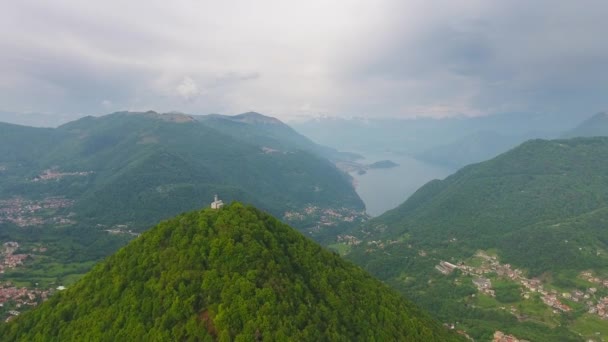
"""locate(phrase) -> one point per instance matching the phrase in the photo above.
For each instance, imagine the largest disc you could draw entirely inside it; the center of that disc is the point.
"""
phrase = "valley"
(239, 171)
(59, 218)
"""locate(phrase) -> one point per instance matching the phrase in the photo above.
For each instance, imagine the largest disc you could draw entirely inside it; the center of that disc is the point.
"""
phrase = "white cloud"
(356, 57)
(188, 89)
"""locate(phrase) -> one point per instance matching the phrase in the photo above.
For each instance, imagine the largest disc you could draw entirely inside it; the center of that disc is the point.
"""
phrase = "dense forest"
(230, 274)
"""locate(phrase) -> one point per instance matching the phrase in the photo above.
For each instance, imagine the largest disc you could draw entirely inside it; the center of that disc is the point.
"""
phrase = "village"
(12, 298)
(325, 217)
(120, 229)
(53, 174)
(594, 304)
(24, 213)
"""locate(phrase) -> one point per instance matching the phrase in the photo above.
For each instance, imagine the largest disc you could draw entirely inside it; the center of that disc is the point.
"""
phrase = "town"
(23, 212)
(324, 217)
(595, 305)
(13, 298)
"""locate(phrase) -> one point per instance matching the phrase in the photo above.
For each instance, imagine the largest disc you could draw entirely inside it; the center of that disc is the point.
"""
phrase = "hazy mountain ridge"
(258, 129)
(414, 136)
(596, 125)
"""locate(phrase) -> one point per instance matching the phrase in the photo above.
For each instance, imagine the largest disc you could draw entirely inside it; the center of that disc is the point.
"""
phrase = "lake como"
(385, 189)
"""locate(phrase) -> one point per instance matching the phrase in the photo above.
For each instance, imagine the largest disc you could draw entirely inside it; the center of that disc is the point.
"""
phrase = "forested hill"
(540, 209)
(229, 274)
(138, 168)
(524, 202)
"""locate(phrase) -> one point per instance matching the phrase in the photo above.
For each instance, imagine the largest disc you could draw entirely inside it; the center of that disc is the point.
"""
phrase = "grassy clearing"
(340, 248)
(589, 325)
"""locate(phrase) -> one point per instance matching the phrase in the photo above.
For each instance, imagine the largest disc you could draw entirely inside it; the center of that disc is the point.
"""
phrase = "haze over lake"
(385, 189)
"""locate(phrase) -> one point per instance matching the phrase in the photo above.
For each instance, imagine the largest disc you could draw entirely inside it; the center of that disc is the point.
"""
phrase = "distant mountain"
(414, 136)
(269, 132)
(229, 274)
(542, 208)
(137, 168)
(473, 148)
(595, 126)
(36, 119)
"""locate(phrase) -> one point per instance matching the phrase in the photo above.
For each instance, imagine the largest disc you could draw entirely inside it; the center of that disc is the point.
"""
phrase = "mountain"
(473, 148)
(157, 165)
(414, 136)
(271, 133)
(531, 222)
(595, 126)
(72, 195)
(36, 119)
(229, 274)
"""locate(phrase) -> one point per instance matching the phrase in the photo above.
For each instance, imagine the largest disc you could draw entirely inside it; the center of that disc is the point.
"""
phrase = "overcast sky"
(297, 58)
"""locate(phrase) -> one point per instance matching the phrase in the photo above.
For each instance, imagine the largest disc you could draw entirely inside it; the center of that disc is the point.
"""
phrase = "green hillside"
(541, 207)
(81, 191)
(159, 165)
(231, 274)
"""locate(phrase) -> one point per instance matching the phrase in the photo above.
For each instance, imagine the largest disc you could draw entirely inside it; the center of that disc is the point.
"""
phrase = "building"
(217, 203)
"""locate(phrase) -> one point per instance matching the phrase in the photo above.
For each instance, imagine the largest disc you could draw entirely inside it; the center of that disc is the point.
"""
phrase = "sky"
(297, 59)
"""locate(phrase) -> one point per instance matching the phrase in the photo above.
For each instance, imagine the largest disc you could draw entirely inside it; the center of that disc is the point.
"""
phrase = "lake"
(384, 189)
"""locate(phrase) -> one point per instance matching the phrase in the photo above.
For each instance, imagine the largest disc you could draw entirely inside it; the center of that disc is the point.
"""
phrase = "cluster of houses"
(600, 307)
(484, 285)
(16, 298)
(121, 229)
(499, 336)
(348, 240)
(552, 298)
(53, 174)
(588, 276)
(325, 217)
(11, 297)
(21, 212)
(9, 259)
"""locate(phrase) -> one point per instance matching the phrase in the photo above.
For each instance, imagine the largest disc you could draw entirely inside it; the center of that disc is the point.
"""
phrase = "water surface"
(384, 189)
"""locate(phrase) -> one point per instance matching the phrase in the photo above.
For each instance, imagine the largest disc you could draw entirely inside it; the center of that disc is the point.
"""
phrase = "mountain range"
(158, 165)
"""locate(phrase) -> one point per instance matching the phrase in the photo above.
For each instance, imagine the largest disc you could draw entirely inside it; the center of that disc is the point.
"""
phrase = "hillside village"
(322, 218)
(53, 174)
(594, 303)
(13, 298)
(24, 212)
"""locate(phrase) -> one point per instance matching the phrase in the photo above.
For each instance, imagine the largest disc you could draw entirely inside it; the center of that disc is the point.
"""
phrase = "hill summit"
(230, 274)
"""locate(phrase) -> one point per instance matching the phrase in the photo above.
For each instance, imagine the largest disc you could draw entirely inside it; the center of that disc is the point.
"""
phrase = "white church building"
(217, 203)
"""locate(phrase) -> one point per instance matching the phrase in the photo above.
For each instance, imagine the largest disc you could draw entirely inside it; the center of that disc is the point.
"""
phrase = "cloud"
(380, 58)
(188, 89)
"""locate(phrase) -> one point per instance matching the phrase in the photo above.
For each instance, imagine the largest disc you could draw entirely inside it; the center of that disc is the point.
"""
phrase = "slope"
(232, 274)
(537, 182)
(159, 165)
(537, 214)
